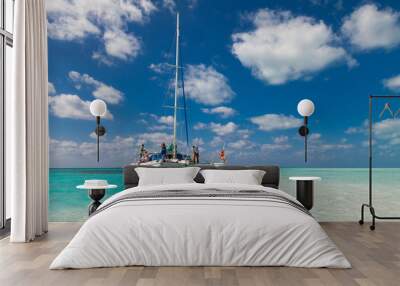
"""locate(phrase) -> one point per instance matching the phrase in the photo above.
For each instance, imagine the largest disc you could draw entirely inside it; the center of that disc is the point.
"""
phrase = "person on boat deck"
(146, 156)
(142, 152)
(196, 155)
(222, 155)
(163, 151)
(197, 152)
(170, 151)
(193, 155)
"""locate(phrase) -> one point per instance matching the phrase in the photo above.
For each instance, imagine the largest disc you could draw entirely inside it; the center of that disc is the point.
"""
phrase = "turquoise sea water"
(338, 196)
(66, 203)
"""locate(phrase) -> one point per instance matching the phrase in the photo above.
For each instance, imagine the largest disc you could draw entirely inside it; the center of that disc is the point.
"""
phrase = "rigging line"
(397, 113)
(185, 111)
(184, 102)
(386, 108)
(168, 56)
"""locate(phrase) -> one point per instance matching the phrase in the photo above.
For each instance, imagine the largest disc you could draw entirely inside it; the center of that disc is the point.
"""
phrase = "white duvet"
(212, 231)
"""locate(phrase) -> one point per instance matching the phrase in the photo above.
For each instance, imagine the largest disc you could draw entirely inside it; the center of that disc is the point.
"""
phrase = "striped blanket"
(205, 194)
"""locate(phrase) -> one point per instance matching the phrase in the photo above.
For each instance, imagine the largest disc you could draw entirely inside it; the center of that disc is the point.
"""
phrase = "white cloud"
(116, 152)
(200, 126)
(206, 85)
(270, 122)
(167, 120)
(319, 146)
(241, 144)
(217, 128)
(274, 147)
(160, 68)
(147, 6)
(314, 137)
(223, 129)
(51, 88)
(326, 150)
(281, 139)
(328, 147)
(120, 44)
(357, 129)
(101, 90)
(197, 141)
(352, 130)
(365, 143)
(71, 106)
(101, 58)
(388, 130)
(66, 145)
(282, 47)
(68, 21)
(217, 141)
(159, 128)
(222, 111)
(244, 133)
(203, 84)
(279, 143)
(392, 83)
(155, 137)
(169, 5)
(370, 28)
(93, 135)
(74, 20)
(157, 123)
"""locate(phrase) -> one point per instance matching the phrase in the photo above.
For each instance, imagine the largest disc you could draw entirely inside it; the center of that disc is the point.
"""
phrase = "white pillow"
(166, 176)
(248, 177)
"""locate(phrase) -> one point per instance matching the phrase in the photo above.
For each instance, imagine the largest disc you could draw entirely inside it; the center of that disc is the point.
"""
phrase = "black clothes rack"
(370, 205)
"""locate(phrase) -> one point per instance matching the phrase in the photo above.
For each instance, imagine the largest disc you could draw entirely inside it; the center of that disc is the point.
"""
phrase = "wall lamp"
(98, 108)
(305, 108)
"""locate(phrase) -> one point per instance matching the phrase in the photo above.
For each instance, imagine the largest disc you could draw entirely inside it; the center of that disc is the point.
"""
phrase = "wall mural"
(243, 67)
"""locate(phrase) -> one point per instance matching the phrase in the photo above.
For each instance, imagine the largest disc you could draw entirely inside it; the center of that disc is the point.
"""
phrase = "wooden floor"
(375, 257)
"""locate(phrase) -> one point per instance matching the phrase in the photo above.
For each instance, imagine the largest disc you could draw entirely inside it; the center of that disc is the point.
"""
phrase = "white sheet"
(214, 231)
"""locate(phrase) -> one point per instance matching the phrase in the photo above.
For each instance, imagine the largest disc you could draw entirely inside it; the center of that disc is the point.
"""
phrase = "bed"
(198, 224)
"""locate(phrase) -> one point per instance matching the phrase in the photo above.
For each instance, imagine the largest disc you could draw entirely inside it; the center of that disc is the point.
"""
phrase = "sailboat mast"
(176, 83)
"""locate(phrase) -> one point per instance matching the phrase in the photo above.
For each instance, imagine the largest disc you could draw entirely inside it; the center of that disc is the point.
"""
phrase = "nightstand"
(96, 191)
(305, 190)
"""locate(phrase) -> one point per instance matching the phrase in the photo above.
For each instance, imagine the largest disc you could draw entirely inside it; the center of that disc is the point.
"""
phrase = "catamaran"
(172, 155)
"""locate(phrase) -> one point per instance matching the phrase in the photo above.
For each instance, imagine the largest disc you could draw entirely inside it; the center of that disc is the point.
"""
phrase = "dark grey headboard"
(271, 177)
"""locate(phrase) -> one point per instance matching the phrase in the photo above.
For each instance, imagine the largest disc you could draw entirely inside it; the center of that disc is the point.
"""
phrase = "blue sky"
(247, 64)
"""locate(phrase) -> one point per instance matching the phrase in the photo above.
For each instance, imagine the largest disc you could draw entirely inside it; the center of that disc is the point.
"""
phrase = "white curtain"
(27, 124)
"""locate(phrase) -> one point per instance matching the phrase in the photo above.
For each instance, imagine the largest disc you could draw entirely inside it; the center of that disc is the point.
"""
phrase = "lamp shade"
(305, 107)
(98, 107)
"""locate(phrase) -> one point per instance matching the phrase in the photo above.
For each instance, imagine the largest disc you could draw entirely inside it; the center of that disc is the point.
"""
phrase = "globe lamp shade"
(98, 108)
(305, 107)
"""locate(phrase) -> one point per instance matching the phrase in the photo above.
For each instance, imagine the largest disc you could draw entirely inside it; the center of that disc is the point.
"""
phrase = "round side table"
(96, 193)
(305, 190)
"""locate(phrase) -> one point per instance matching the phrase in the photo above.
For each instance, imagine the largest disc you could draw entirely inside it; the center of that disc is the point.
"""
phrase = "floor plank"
(375, 257)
